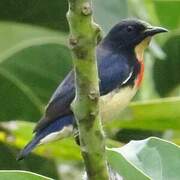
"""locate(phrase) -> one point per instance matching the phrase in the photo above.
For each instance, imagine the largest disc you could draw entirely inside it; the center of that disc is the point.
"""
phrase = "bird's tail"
(58, 129)
(28, 148)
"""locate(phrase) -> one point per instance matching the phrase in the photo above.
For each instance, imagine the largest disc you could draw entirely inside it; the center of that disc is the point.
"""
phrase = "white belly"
(111, 106)
(113, 103)
(65, 132)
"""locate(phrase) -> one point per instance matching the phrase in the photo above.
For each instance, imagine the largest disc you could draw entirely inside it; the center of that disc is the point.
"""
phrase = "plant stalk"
(84, 36)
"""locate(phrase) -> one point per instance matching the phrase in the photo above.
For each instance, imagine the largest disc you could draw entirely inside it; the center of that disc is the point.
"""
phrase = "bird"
(120, 65)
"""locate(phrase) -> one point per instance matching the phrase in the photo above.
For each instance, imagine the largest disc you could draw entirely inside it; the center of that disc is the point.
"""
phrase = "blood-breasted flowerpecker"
(120, 68)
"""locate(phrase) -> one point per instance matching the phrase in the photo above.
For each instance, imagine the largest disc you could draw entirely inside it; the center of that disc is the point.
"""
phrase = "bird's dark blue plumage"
(56, 126)
(113, 70)
(118, 68)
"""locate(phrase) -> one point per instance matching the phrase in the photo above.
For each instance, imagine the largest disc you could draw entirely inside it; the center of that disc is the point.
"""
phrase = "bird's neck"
(139, 53)
(140, 75)
(139, 49)
(135, 58)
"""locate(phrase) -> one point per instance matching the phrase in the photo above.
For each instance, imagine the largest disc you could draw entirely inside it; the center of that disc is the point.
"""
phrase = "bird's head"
(132, 34)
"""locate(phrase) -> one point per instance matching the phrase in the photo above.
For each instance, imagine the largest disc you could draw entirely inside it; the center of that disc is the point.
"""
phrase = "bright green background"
(34, 59)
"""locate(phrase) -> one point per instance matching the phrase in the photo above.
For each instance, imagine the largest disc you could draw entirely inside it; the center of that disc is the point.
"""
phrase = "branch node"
(83, 39)
(73, 42)
(98, 32)
(94, 113)
(93, 95)
(86, 9)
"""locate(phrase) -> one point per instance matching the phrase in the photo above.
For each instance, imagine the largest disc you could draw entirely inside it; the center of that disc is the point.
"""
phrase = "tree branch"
(84, 34)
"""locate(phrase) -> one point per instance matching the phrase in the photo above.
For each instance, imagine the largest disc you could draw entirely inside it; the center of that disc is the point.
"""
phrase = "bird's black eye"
(129, 28)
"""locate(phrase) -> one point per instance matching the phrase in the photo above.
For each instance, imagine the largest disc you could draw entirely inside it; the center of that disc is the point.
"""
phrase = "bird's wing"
(59, 104)
(112, 73)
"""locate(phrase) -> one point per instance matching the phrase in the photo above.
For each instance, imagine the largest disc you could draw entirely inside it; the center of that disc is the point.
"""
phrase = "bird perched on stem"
(120, 68)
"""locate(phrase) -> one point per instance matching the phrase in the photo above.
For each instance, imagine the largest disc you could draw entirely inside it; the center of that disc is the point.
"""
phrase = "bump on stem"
(85, 34)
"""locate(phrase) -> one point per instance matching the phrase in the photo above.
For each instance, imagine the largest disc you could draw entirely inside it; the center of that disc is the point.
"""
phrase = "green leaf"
(20, 175)
(41, 13)
(125, 169)
(53, 15)
(169, 69)
(32, 62)
(151, 158)
(34, 163)
(21, 36)
(160, 114)
(168, 12)
(108, 13)
(159, 12)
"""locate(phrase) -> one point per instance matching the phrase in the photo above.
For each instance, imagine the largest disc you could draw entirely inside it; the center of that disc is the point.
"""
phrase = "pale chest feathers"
(113, 103)
(65, 132)
(139, 49)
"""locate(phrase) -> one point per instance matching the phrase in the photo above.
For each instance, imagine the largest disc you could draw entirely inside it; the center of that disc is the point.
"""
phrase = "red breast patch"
(140, 75)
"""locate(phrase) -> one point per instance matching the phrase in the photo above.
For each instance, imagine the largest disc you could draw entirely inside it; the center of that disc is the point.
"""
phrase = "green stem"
(84, 35)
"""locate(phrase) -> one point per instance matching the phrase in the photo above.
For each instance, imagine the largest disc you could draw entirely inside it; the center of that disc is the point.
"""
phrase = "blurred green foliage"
(34, 58)
(147, 160)
(21, 175)
(36, 12)
(35, 163)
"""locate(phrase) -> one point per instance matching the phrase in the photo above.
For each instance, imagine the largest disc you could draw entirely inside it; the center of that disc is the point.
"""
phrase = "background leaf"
(168, 69)
(153, 157)
(117, 11)
(167, 12)
(31, 65)
(34, 58)
(152, 115)
(20, 175)
(35, 163)
(36, 12)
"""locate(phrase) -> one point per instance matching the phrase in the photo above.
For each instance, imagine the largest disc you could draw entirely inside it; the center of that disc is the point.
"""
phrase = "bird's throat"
(139, 49)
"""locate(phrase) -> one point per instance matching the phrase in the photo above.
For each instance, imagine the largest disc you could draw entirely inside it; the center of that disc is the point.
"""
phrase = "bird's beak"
(152, 30)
